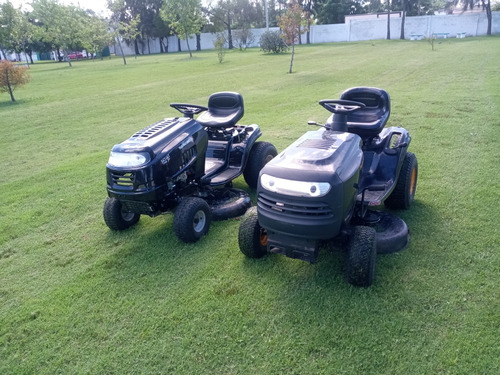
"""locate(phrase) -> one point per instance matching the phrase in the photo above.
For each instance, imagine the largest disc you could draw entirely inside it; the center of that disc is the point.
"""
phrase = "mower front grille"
(125, 179)
(294, 208)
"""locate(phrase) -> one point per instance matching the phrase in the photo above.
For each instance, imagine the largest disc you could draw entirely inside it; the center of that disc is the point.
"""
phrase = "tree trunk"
(8, 85)
(308, 35)
(488, 15)
(136, 47)
(291, 60)
(26, 56)
(178, 43)
(388, 20)
(229, 34)
(198, 42)
(403, 18)
(121, 50)
(161, 44)
(65, 54)
(189, 49)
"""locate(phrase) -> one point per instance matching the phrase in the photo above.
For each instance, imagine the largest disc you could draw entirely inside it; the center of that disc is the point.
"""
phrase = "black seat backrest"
(368, 121)
(225, 109)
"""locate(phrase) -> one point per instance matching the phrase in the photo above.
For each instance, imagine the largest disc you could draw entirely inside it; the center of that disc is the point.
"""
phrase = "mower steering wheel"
(341, 106)
(188, 110)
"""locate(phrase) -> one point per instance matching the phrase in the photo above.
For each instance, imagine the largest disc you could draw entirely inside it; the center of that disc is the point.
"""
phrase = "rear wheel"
(404, 193)
(260, 154)
(361, 256)
(116, 216)
(192, 219)
(252, 238)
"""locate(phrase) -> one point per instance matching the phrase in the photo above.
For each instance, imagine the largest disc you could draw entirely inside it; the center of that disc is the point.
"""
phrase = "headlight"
(128, 159)
(293, 187)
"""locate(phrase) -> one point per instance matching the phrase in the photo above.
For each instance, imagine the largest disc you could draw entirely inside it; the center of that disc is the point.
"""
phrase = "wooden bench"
(416, 36)
(461, 35)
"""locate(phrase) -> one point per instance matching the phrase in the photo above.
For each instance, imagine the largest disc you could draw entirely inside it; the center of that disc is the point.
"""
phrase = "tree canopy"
(184, 17)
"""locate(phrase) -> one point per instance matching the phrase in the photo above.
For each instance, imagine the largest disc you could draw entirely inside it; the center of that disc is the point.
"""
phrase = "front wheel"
(192, 219)
(260, 154)
(404, 193)
(361, 256)
(252, 238)
(116, 216)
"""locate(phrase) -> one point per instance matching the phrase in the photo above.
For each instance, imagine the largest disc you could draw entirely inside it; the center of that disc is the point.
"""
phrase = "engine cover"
(176, 149)
(321, 156)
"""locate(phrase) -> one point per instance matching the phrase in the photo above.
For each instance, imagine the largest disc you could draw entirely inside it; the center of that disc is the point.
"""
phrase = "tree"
(487, 6)
(117, 9)
(334, 11)
(96, 35)
(293, 23)
(223, 14)
(62, 25)
(130, 31)
(308, 7)
(150, 24)
(12, 76)
(8, 18)
(25, 33)
(184, 17)
(236, 14)
(403, 18)
(161, 31)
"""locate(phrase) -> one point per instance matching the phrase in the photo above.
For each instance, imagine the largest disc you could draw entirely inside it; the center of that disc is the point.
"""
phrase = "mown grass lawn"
(77, 298)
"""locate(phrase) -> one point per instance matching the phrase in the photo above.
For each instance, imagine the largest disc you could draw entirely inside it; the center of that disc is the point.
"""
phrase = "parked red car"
(75, 55)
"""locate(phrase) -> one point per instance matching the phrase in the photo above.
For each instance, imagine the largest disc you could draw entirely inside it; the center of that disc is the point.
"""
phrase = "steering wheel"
(342, 107)
(188, 110)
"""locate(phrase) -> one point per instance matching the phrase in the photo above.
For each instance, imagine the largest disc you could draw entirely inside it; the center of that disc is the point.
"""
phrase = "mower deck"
(392, 232)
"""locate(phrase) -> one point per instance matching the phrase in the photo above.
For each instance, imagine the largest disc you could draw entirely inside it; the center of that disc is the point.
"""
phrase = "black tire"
(116, 217)
(260, 154)
(230, 203)
(404, 193)
(361, 256)
(252, 238)
(192, 219)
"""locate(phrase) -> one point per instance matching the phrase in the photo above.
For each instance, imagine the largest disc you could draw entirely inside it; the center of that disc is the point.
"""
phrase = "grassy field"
(77, 298)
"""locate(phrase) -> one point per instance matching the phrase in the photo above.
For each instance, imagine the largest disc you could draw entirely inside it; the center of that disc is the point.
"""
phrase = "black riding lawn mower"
(187, 165)
(324, 186)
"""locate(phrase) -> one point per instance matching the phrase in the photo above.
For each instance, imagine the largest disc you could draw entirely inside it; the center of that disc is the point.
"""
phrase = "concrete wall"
(474, 24)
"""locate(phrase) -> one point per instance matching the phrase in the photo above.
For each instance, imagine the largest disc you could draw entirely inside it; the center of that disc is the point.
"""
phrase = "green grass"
(76, 298)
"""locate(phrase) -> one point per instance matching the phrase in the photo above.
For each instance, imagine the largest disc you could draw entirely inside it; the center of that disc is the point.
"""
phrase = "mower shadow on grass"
(393, 269)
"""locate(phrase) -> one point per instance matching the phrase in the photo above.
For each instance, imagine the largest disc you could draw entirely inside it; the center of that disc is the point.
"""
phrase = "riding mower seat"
(369, 121)
(225, 109)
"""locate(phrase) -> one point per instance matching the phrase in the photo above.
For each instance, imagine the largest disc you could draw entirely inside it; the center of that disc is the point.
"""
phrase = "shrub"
(11, 76)
(243, 38)
(219, 43)
(271, 42)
